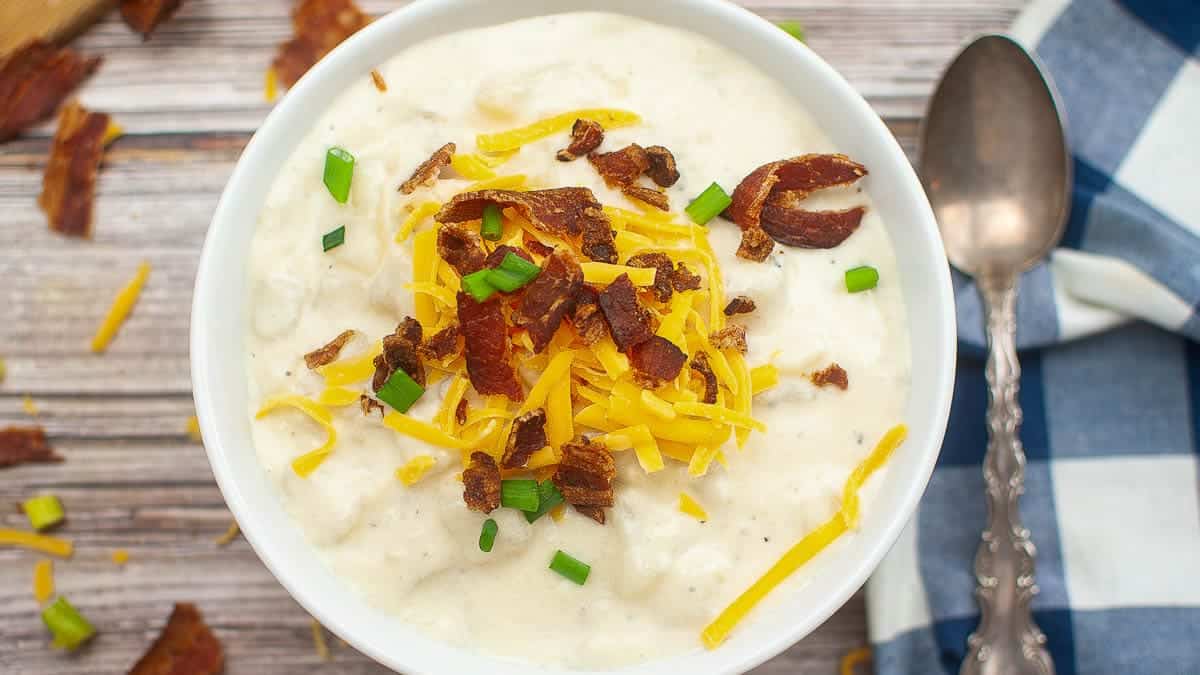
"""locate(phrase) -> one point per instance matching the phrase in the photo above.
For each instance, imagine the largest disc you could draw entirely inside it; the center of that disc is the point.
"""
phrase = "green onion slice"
(68, 626)
(339, 171)
(44, 511)
(493, 224)
(400, 391)
(334, 238)
(504, 281)
(520, 494)
(709, 204)
(520, 267)
(487, 536)
(570, 568)
(549, 497)
(861, 279)
(793, 28)
(476, 283)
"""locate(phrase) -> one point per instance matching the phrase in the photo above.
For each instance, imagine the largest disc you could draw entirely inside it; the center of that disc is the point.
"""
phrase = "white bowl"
(219, 315)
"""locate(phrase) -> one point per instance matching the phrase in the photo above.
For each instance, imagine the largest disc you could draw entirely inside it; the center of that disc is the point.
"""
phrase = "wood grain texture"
(189, 99)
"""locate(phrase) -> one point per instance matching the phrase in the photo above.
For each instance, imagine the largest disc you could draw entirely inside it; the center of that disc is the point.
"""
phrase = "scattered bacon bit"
(623, 167)
(656, 361)
(427, 173)
(663, 289)
(704, 369)
(833, 375)
(34, 80)
(368, 404)
(536, 247)
(69, 184)
(186, 646)
(588, 319)
(319, 26)
(401, 351)
(585, 474)
(25, 445)
(527, 437)
(732, 336)
(801, 175)
(586, 136)
(379, 82)
(662, 166)
(599, 242)
(740, 305)
(329, 353)
(460, 413)
(596, 513)
(658, 200)
(497, 256)
(630, 323)
(481, 483)
(791, 226)
(461, 248)
(560, 211)
(682, 278)
(444, 343)
(145, 15)
(488, 364)
(549, 298)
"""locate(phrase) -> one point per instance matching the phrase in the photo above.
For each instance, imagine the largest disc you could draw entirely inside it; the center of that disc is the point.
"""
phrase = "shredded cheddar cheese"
(855, 657)
(515, 138)
(439, 293)
(318, 637)
(193, 429)
(883, 450)
(338, 397)
(308, 462)
(763, 378)
(691, 507)
(560, 428)
(120, 556)
(605, 273)
(516, 181)
(418, 215)
(643, 443)
(425, 257)
(423, 431)
(656, 406)
(415, 469)
(43, 580)
(471, 167)
(349, 371)
(30, 407)
(559, 368)
(720, 414)
(112, 133)
(742, 395)
(37, 542)
(230, 534)
(270, 85)
(447, 414)
(542, 458)
(701, 459)
(121, 307)
(615, 363)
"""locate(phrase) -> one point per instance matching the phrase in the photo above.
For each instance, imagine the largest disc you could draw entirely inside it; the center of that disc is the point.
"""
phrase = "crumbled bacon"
(329, 353)
(427, 173)
(401, 351)
(527, 437)
(34, 80)
(732, 337)
(25, 445)
(561, 211)
(585, 474)
(622, 167)
(461, 248)
(740, 305)
(497, 256)
(549, 298)
(662, 166)
(186, 646)
(682, 279)
(792, 226)
(318, 26)
(704, 369)
(145, 15)
(599, 242)
(69, 184)
(460, 413)
(663, 288)
(596, 513)
(536, 247)
(367, 404)
(630, 323)
(378, 81)
(655, 198)
(587, 317)
(586, 136)
(489, 365)
(833, 375)
(800, 175)
(481, 483)
(444, 343)
(656, 361)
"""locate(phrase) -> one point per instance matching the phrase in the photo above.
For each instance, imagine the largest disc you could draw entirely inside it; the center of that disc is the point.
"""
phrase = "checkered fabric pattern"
(1111, 381)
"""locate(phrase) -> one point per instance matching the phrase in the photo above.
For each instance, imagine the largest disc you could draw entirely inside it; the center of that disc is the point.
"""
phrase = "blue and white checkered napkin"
(1111, 382)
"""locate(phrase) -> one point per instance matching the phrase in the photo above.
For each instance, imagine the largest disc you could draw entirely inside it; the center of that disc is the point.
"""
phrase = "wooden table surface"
(189, 100)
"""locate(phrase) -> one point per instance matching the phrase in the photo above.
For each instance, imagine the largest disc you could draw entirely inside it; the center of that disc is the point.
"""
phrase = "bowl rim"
(410, 653)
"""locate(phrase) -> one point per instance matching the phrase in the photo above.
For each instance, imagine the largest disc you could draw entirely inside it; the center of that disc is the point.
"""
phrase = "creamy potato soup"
(665, 461)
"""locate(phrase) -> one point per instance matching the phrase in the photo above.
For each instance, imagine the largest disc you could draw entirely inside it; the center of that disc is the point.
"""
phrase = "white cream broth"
(658, 576)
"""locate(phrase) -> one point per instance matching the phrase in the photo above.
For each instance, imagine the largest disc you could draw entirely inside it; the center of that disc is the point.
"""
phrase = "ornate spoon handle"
(1007, 641)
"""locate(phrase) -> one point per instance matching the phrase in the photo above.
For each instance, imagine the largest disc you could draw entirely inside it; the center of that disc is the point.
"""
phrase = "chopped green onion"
(861, 279)
(709, 204)
(339, 170)
(493, 224)
(487, 536)
(549, 497)
(43, 512)
(570, 568)
(334, 238)
(519, 494)
(793, 28)
(476, 283)
(520, 267)
(400, 391)
(68, 626)
(504, 281)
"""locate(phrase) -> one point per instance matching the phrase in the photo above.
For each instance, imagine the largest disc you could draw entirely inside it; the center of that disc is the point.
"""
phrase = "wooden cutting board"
(53, 20)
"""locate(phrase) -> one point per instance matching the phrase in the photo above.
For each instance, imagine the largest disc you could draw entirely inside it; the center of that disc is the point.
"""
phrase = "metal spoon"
(998, 172)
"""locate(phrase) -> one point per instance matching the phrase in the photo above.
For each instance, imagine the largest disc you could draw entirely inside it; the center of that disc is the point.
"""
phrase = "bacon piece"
(732, 336)
(145, 15)
(663, 288)
(682, 279)
(599, 242)
(586, 136)
(833, 375)
(427, 173)
(658, 200)
(656, 361)
(69, 184)
(549, 298)
(481, 483)
(800, 175)
(486, 340)
(662, 166)
(497, 256)
(536, 247)
(585, 474)
(587, 317)
(630, 323)
(623, 167)
(527, 437)
(444, 343)
(704, 369)
(329, 353)
(34, 80)
(792, 226)
(367, 404)
(378, 81)
(318, 27)
(25, 445)
(186, 646)
(461, 248)
(561, 211)
(401, 351)
(740, 305)
(596, 513)
(460, 413)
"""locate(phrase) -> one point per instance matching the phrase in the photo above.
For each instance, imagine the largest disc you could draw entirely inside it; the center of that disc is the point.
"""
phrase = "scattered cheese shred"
(43, 580)
(193, 429)
(418, 215)
(270, 85)
(808, 547)
(559, 368)
(415, 469)
(423, 431)
(691, 507)
(701, 459)
(677, 451)
(351, 370)
(338, 397)
(449, 278)
(447, 414)
(594, 417)
(121, 307)
(763, 378)
(674, 322)
(120, 556)
(515, 138)
(472, 167)
(318, 637)
(720, 414)
(605, 273)
(37, 542)
(230, 534)
(560, 428)
(112, 133)
(558, 512)
(439, 293)
(542, 458)
(3, 370)
(30, 406)
(654, 225)
(425, 257)
(615, 363)
(656, 406)
(855, 657)
(643, 443)
(628, 243)
(305, 464)
(688, 431)
(513, 182)
(742, 396)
